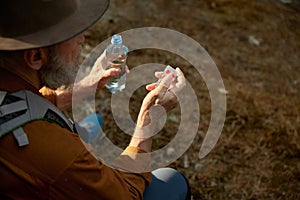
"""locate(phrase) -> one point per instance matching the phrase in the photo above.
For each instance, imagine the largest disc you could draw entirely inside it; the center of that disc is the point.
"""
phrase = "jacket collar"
(10, 82)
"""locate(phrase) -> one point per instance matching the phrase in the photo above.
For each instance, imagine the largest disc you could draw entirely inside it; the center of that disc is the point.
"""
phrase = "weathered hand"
(169, 100)
(98, 77)
(161, 96)
(159, 100)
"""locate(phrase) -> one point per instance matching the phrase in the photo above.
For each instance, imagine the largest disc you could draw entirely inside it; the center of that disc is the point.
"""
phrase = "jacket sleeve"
(129, 174)
(87, 178)
(56, 164)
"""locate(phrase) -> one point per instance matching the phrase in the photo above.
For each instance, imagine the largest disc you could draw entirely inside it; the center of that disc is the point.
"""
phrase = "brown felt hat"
(26, 24)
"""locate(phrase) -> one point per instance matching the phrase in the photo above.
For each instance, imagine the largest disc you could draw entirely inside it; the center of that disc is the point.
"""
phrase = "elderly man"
(42, 157)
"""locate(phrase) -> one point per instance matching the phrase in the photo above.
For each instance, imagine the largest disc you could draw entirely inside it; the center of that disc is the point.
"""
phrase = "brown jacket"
(56, 165)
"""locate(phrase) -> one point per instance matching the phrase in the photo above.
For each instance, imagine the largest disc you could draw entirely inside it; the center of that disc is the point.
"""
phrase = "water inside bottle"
(117, 83)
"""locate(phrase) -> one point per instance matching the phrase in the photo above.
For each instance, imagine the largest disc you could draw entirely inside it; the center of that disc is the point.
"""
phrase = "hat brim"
(89, 12)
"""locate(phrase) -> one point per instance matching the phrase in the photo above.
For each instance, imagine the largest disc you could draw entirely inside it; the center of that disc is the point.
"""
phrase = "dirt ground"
(256, 46)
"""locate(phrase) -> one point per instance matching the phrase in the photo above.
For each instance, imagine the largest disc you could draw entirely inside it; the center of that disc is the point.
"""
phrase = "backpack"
(22, 107)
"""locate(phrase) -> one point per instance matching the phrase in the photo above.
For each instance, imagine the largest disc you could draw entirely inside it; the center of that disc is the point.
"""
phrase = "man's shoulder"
(24, 106)
(49, 136)
(50, 151)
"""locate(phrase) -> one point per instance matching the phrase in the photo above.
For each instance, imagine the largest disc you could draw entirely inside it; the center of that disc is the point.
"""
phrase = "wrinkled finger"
(180, 79)
(112, 72)
(151, 86)
(180, 84)
(107, 74)
(158, 74)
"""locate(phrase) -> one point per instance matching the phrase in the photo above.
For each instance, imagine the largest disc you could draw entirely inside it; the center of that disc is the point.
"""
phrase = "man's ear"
(36, 58)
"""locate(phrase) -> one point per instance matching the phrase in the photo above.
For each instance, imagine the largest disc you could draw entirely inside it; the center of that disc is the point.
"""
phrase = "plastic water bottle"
(116, 54)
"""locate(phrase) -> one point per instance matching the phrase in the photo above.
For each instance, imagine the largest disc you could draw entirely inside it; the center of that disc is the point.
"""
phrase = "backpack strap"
(2, 96)
(22, 107)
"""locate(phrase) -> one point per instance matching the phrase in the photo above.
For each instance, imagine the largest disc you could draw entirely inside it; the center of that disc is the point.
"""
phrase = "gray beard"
(58, 73)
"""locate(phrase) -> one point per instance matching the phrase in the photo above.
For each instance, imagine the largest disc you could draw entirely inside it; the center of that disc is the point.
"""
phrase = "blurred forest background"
(256, 47)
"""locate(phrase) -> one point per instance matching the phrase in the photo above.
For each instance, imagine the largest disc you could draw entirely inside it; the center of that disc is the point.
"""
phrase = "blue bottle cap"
(116, 39)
